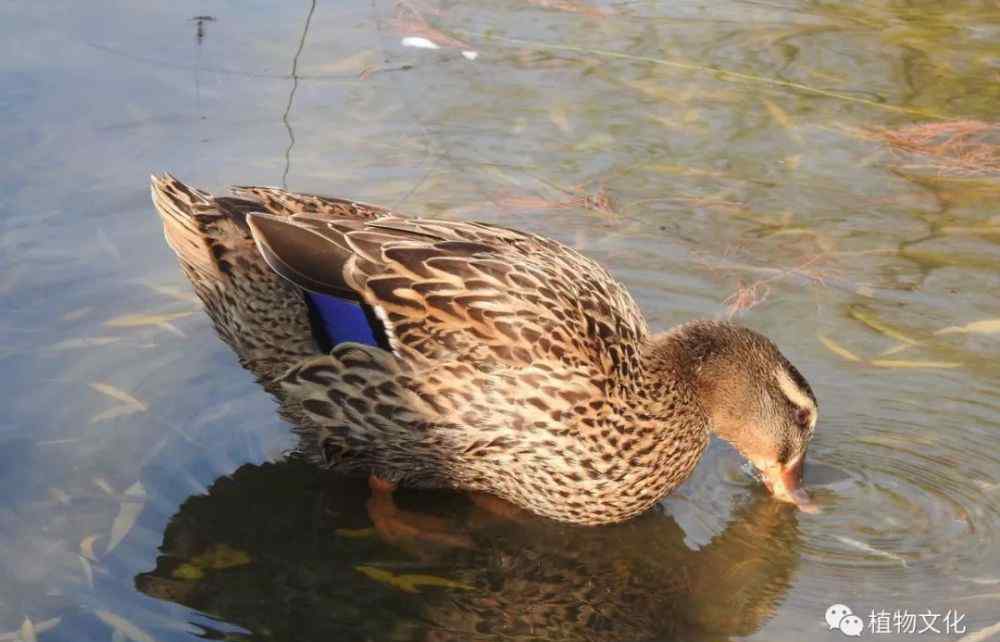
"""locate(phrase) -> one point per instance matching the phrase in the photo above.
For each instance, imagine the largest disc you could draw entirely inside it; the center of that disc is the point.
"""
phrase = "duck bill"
(785, 483)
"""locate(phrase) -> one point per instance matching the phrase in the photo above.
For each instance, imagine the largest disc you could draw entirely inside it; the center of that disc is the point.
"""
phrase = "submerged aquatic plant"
(572, 6)
(814, 269)
(597, 201)
(959, 147)
(745, 297)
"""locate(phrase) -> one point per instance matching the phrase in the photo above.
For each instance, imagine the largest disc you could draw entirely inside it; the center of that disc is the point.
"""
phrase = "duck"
(434, 353)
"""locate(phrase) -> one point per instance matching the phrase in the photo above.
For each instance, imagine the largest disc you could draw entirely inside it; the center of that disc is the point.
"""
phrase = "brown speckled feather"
(517, 366)
(284, 203)
(446, 288)
(241, 294)
(514, 358)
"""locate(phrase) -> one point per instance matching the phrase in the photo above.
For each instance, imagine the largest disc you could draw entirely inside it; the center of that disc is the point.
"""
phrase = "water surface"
(721, 159)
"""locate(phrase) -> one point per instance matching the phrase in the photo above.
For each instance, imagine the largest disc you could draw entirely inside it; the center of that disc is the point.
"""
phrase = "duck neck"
(696, 359)
(665, 371)
(680, 369)
(669, 410)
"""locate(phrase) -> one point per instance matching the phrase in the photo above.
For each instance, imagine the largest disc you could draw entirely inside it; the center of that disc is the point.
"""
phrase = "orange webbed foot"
(398, 526)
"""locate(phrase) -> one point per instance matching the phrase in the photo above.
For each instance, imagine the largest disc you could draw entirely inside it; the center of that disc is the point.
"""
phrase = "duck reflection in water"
(287, 550)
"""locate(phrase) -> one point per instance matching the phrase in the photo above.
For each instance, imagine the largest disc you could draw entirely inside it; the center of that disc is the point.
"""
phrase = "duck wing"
(449, 288)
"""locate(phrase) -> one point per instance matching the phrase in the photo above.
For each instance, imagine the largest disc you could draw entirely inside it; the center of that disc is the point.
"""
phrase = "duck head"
(754, 399)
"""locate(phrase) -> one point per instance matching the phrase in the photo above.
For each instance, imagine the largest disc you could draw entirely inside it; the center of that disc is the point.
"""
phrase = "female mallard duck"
(439, 353)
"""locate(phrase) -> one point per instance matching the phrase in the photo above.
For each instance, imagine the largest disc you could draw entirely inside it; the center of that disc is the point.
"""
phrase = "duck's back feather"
(445, 288)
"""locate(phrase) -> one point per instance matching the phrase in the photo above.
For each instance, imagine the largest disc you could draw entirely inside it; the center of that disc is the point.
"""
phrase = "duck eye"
(802, 417)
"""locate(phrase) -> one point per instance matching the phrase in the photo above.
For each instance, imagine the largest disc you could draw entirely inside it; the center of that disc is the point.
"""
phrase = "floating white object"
(419, 43)
(470, 55)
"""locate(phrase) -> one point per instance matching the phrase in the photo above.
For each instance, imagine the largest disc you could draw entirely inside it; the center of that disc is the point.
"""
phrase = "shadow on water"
(283, 550)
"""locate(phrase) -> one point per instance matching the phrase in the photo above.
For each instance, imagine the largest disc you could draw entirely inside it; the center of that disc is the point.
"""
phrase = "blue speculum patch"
(340, 320)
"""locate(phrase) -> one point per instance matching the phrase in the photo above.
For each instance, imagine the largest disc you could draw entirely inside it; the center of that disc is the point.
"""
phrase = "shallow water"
(696, 149)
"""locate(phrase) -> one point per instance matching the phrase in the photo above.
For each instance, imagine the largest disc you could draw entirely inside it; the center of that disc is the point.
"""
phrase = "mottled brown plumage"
(516, 366)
